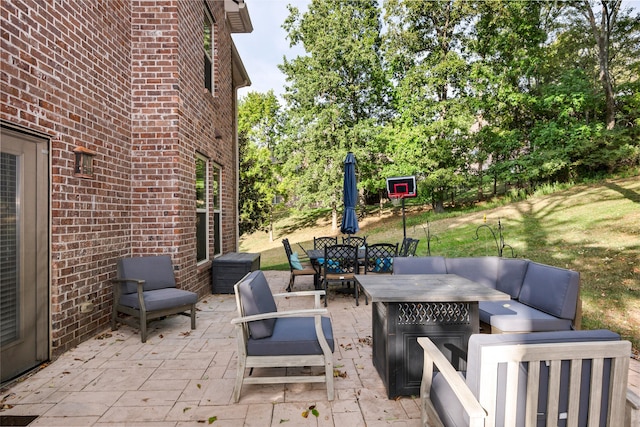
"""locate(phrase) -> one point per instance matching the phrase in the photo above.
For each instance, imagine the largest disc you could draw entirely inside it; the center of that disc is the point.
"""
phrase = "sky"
(263, 49)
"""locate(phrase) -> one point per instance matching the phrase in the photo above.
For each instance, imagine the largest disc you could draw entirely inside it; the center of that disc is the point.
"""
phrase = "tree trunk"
(334, 218)
(602, 34)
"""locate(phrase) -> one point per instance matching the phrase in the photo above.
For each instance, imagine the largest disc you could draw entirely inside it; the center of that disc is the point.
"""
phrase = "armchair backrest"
(156, 271)
(253, 296)
(506, 371)
(323, 242)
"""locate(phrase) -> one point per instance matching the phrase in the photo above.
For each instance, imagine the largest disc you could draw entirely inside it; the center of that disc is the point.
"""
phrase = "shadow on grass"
(307, 219)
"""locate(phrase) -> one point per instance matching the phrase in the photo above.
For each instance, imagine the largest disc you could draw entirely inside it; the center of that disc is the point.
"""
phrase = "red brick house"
(118, 139)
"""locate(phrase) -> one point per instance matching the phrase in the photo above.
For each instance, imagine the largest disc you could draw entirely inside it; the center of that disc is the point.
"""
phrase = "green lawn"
(594, 229)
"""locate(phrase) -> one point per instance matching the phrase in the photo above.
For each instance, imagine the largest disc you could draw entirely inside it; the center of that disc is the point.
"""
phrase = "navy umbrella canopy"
(349, 223)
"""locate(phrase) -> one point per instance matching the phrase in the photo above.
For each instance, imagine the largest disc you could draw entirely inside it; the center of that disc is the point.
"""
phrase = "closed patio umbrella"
(349, 223)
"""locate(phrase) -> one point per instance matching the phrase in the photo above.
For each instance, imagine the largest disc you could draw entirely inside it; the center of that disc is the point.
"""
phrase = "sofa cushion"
(511, 273)
(551, 289)
(482, 270)
(157, 271)
(419, 265)
(257, 298)
(160, 299)
(513, 316)
(292, 336)
(478, 341)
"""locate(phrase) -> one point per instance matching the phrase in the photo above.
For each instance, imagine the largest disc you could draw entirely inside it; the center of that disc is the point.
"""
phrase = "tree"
(335, 95)
(425, 49)
(258, 131)
(603, 35)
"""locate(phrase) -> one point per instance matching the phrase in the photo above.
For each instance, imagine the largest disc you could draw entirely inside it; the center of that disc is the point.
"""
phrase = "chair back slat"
(322, 242)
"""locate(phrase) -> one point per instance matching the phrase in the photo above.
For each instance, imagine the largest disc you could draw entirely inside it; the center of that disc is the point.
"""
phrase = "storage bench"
(229, 268)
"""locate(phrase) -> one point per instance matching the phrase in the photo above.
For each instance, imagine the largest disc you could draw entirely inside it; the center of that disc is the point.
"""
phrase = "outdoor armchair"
(268, 338)
(408, 247)
(340, 266)
(323, 242)
(145, 290)
(572, 378)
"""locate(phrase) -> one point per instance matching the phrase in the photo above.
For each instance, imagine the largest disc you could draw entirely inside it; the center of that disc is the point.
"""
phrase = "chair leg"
(193, 316)
(143, 326)
(114, 318)
(239, 379)
(292, 279)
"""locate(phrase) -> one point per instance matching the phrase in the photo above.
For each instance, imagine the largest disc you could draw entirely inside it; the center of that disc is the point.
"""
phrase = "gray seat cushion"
(160, 299)
(292, 336)
(256, 298)
(156, 271)
(451, 411)
(551, 289)
(482, 270)
(419, 265)
(513, 316)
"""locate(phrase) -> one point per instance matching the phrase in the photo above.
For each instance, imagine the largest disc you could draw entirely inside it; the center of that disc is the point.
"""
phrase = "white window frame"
(216, 173)
(209, 54)
(203, 210)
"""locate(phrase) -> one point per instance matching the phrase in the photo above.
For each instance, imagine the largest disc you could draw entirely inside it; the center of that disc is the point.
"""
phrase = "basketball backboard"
(402, 187)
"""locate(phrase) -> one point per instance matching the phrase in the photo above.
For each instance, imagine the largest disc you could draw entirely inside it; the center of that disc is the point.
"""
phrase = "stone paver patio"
(182, 378)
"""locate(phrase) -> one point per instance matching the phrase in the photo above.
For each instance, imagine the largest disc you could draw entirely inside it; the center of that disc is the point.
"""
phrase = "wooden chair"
(340, 266)
(543, 378)
(268, 338)
(320, 243)
(145, 290)
(298, 268)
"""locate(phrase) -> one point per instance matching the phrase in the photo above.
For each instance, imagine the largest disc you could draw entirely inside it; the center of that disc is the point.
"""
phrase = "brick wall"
(124, 79)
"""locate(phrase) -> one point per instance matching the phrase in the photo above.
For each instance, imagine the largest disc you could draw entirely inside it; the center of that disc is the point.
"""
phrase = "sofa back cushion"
(156, 271)
(478, 341)
(551, 289)
(482, 270)
(256, 298)
(419, 265)
(511, 273)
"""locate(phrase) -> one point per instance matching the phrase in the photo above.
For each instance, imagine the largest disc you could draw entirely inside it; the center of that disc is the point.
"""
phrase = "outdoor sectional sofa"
(543, 297)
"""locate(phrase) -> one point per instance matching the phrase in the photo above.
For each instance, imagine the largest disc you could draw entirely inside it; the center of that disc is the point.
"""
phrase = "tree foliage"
(458, 93)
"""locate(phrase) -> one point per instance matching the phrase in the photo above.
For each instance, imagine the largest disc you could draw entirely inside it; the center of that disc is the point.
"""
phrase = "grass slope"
(594, 229)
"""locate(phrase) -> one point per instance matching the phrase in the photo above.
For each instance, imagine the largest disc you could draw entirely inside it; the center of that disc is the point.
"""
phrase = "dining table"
(443, 307)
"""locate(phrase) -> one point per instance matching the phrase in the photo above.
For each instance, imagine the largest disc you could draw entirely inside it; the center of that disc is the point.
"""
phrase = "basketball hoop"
(396, 199)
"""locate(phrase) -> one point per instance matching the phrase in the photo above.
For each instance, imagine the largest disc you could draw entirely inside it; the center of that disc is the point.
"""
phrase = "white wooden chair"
(268, 338)
(569, 378)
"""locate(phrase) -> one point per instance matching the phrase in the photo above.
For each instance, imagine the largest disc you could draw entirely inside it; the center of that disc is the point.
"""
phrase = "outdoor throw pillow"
(333, 267)
(295, 261)
(383, 265)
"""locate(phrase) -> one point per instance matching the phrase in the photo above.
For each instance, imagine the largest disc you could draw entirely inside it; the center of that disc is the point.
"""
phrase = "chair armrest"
(433, 356)
(315, 294)
(277, 314)
(632, 410)
(140, 289)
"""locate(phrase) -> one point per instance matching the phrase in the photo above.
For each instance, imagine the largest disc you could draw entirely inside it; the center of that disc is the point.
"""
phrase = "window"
(202, 209)
(208, 46)
(217, 211)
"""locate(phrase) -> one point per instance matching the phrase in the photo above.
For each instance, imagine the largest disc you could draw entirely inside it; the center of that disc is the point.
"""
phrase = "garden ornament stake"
(427, 231)
(499, 244)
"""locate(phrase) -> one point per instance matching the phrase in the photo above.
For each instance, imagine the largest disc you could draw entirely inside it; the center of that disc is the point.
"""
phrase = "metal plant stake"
(499, 239)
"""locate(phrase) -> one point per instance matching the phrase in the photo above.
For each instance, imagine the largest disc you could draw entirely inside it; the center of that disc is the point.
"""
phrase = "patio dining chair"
(268, 338)
(340, 266)
(379, 257)
(408, 247)
(297, 267)
(356, 241)
(320, 243)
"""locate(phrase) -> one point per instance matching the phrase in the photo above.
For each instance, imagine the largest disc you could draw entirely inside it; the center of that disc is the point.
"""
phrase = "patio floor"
(181, 377)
